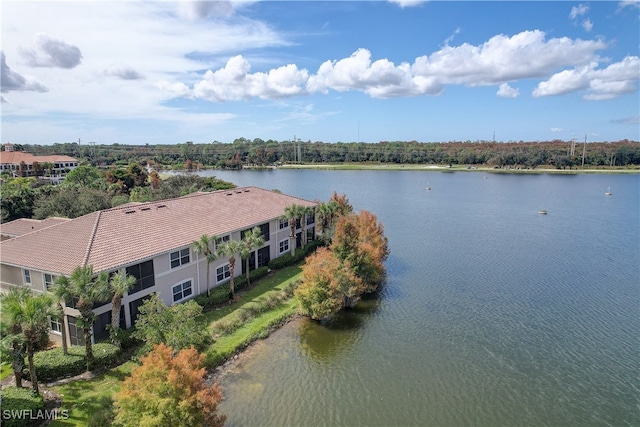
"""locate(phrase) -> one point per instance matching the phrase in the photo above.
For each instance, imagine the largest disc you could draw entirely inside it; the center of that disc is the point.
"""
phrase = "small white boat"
(542, 212)
(608, 192)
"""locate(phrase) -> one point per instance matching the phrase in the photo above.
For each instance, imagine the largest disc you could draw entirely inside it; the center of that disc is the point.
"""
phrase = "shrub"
(220, 294)
(14, 401)
(53, 364)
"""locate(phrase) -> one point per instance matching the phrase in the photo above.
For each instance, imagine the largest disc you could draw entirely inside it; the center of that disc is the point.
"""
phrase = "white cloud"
(234, 82)
(579, 10)
(617, 79)
(558, 130)
(50, 52)
(174, 90)
(506, 91)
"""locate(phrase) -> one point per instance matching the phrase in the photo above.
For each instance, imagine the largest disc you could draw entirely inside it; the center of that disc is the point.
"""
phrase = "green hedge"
(19, 405)
(220, 294)
(53, 364)
(300, 254)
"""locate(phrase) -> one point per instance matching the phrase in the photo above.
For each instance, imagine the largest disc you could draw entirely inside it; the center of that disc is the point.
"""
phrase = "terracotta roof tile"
(114, 237)
(22, 226)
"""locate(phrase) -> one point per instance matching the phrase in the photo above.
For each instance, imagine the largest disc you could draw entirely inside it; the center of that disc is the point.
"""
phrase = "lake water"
(492, 314)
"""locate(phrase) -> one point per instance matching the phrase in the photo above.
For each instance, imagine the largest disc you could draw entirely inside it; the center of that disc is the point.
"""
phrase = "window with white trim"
(284, 246)
(27, 276)
(222, 273)
(182, 291)
(49, 280)
(179, 258)
(283, 223)
(55, 324)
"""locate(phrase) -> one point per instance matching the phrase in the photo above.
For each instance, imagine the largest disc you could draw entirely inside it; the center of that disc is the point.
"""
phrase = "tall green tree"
(230, 249)
(87, 288)
(120, 284)
(12, 333)
(31, 312)
(252, 240)
(205, 246)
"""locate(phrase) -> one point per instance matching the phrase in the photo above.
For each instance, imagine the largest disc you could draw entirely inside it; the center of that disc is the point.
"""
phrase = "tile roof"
(120, 236)
(15, 157)
(22, 226)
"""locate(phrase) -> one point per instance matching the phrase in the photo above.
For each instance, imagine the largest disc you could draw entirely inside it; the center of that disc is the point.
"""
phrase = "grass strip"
(89, 402)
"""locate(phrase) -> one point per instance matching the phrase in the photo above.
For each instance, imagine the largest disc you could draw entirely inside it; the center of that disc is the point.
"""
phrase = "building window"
(222, 239)
(56, 325)
(49, 280)
(27, 277)
(182, 291)
(222, 273)
(179, 258)
(283, 223)
(144, 275)
(284, 246)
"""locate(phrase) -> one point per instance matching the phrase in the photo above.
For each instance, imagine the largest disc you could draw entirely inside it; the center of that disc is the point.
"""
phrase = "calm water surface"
(492, 314)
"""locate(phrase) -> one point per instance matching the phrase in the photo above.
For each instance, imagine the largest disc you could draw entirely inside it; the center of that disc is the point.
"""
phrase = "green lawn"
(92, 399)
(5, 370)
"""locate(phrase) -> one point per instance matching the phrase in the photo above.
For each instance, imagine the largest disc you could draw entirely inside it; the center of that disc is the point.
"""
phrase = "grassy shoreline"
(457, 168)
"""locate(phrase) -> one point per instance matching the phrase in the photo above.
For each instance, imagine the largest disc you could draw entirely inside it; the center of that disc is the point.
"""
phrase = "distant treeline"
(257, 152)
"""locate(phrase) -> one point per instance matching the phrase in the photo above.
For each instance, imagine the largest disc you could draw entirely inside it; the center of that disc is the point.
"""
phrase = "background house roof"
(15, 157)
(22, 226)
(120, 236)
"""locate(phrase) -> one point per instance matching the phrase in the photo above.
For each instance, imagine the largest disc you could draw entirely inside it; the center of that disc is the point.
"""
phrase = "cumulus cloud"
(234, 82)
(10, 80)
(558, 130)
(506, 91)
(498, 61)
(617, 79)
(123, 72)
(174, 90)
(52, 53)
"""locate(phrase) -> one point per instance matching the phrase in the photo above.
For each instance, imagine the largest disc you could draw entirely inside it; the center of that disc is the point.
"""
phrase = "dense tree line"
(258, 152)
(88, 189)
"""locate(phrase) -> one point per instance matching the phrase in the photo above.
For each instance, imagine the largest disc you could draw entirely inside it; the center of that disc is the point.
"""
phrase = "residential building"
(151, 241)
(20, 163)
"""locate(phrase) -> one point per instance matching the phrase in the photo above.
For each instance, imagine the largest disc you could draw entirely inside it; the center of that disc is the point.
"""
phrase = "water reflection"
(323, 342)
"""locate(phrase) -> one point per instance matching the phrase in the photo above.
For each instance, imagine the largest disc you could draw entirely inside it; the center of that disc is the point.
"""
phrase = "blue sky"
(164, 72)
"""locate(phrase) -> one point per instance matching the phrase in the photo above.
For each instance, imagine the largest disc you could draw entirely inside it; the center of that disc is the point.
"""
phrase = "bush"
(300, 255)
(53, 364)
(14, 401)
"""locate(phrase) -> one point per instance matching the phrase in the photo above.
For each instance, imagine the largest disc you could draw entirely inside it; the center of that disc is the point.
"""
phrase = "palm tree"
(230, 249)
(88, 289)
(120, 283)
(61, 293)
(326, 213)
(12, 332)
(252, 240)
(293, 213)
(205, 247)
(31, 312)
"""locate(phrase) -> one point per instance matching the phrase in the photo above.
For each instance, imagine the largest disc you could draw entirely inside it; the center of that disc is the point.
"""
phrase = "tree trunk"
(116, 306)
(65, 347)
(292, 237)
(232, 264)
(247, 264)
(32, 369)
(18, 363)
(208, 277)
(88, 348)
